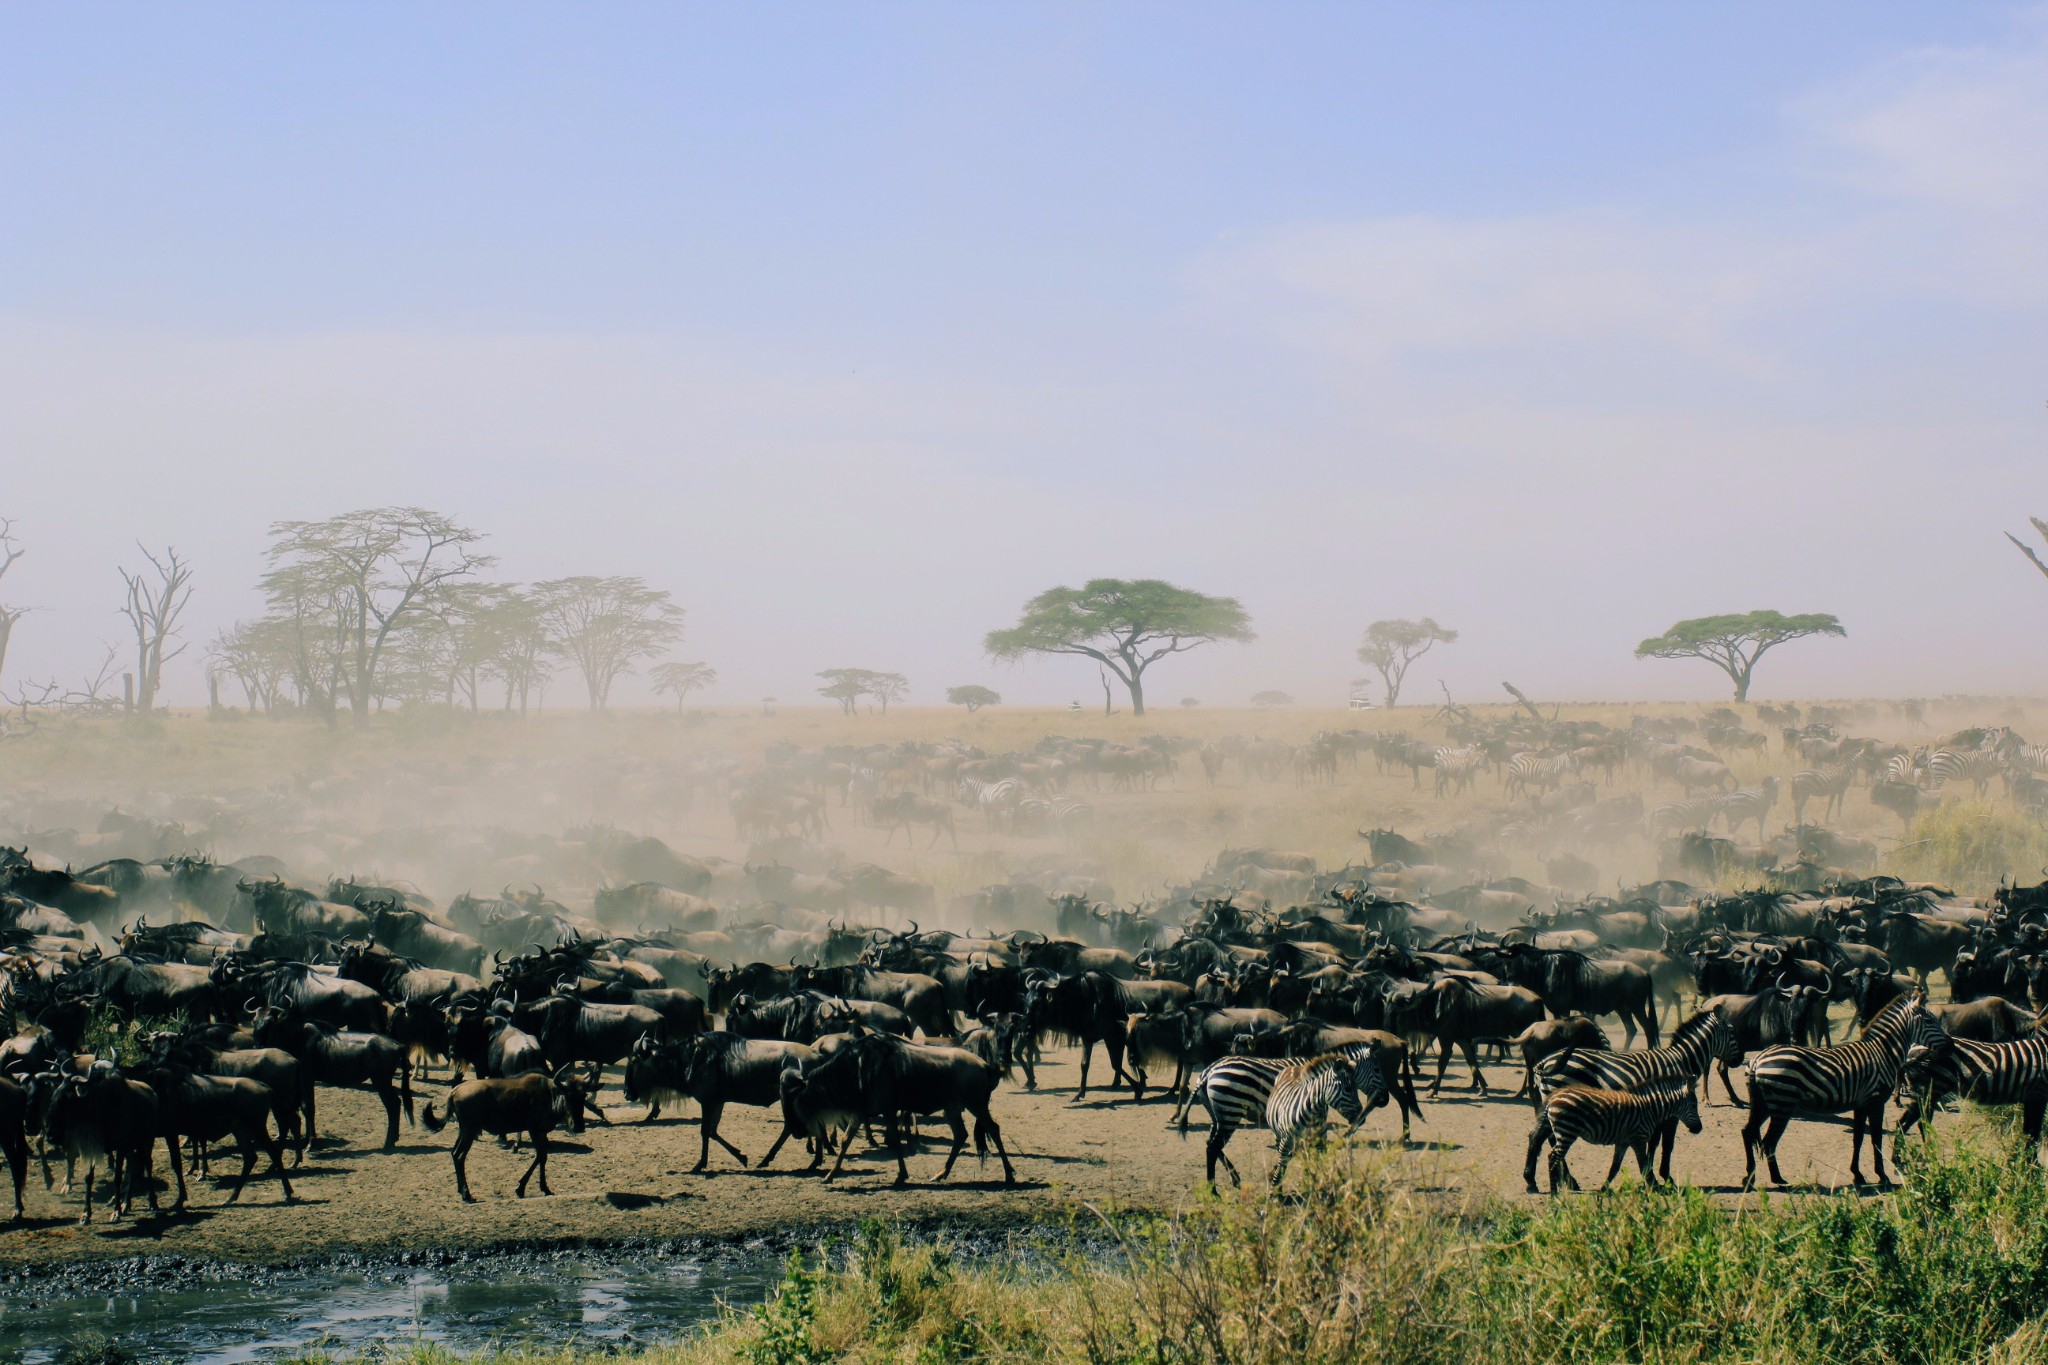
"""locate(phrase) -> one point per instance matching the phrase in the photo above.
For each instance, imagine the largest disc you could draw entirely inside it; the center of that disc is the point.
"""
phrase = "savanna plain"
(1415, 1248)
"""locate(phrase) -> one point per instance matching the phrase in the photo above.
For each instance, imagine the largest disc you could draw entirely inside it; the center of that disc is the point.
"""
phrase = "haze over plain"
(856, 329)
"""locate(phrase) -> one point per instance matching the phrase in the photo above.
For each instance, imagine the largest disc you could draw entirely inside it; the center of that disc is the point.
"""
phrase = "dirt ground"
(633, 1181)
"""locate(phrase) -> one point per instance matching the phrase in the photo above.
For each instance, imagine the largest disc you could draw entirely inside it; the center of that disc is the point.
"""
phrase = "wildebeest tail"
(405, 1087)
(430, 1120)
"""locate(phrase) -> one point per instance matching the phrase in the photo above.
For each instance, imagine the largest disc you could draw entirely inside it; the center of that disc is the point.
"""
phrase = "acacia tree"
(1733, 643)
(376, 570)
(1272, 698)
(1125, 625)
(605, 625)
(1390, 646)
(680, 679)
(848, 685)
(153, 607)
(973, 696)
(9, 552)
(519, 652)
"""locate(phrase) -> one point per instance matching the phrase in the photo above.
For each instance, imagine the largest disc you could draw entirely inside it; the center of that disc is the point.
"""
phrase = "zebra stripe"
(1237, 1092)
(1624, 1120)
(1685, 1059)
(1790, 1081)
(1697, 812)
(1830, 784)
(1988, 1073)
(1750, 803)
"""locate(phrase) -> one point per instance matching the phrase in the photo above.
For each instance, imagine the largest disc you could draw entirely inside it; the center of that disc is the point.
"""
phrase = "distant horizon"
(856, 329)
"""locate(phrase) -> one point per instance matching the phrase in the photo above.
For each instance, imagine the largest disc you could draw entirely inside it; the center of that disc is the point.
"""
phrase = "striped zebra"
(1682, 1061)
(1676, 817)
(1987, 1073)
(1855, 1078)
(1455, 768)
(1830, 785)
(1543, 771)
(2032, 757)
(1906, 767)
(1975, 766)
(1622, 1119)
(1739, 807)
(1248, 1092)
(1069, 814)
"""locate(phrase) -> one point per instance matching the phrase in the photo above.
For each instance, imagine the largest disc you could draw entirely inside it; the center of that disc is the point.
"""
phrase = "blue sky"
(856, 326)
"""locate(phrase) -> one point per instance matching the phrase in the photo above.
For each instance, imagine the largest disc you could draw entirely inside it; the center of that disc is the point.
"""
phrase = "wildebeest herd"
(175, 1000)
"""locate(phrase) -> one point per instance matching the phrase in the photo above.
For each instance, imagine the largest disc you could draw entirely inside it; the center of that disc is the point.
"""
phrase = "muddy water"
(601, 1301)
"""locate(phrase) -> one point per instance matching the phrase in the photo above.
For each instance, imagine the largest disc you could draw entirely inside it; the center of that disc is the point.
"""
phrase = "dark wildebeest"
(532, 1104)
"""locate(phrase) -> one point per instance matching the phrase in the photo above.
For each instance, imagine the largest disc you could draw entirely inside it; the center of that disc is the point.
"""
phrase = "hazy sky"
(857, 325)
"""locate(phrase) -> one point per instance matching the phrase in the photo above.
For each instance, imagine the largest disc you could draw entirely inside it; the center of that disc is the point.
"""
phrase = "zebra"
(1685, 1059)
(1247, 1092)
(1907, 767)
(1455, 768)
(1622, 1119)
(1694, 812)
(1989, 1073)
(1831, 784)
(1068, 814)
(1858, 1077)
(1544, 771)
(1750, 803)
(1976, 766)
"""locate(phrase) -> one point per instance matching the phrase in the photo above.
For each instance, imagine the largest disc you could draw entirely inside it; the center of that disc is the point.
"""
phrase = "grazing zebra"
(1682, 1061)
(1989, 1073)
(1789, 1081)
(1288, 1096)
(1976, 766)
(1750, 803)
(1830, 784)
(1622, 1119)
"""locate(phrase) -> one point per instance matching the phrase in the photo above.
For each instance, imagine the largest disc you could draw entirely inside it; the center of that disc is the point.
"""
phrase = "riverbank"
(1359, 1266)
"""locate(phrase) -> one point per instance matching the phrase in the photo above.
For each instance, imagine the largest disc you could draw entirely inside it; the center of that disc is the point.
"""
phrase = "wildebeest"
(531, 1104)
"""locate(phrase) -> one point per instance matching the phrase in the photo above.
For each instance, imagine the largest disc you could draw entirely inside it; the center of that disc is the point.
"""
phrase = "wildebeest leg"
(1628, 1029)
(390, 1098)
(898, 1143)
(959, 1141)
(86, 1218)
(1087, 1052)
(17, 1166)
(1113, 1045)
(985, 1123)
(710, 1134)
(177, 1168)
(1727, 1084)
(464, 1140)
(247, 1150)
(277, 1162)
(539, 1164)
(1471, 1051)
(1443, 1062)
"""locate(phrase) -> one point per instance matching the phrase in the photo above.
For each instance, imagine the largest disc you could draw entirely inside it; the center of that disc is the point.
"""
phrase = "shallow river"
(615, 1301)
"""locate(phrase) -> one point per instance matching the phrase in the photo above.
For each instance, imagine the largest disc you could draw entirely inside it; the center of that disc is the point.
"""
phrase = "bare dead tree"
(152, 609)
(9, 552)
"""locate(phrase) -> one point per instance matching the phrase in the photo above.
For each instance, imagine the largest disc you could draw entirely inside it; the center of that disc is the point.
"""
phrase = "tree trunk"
(1137, 693)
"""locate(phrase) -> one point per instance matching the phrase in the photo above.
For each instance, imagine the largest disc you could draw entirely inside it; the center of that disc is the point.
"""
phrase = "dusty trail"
(632, 1180)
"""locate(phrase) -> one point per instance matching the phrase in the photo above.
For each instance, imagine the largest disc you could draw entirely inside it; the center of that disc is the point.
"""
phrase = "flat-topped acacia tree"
(1733, 643)
(1125, 625)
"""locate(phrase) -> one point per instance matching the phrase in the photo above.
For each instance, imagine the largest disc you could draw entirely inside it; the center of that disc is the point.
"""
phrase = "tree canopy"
(973, 696)
(350, 582)
(679, 678)
(1272, 698)
(1125, 625)
(605, 625)
(1733, 643)
(848, 685)
(1390, 646)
